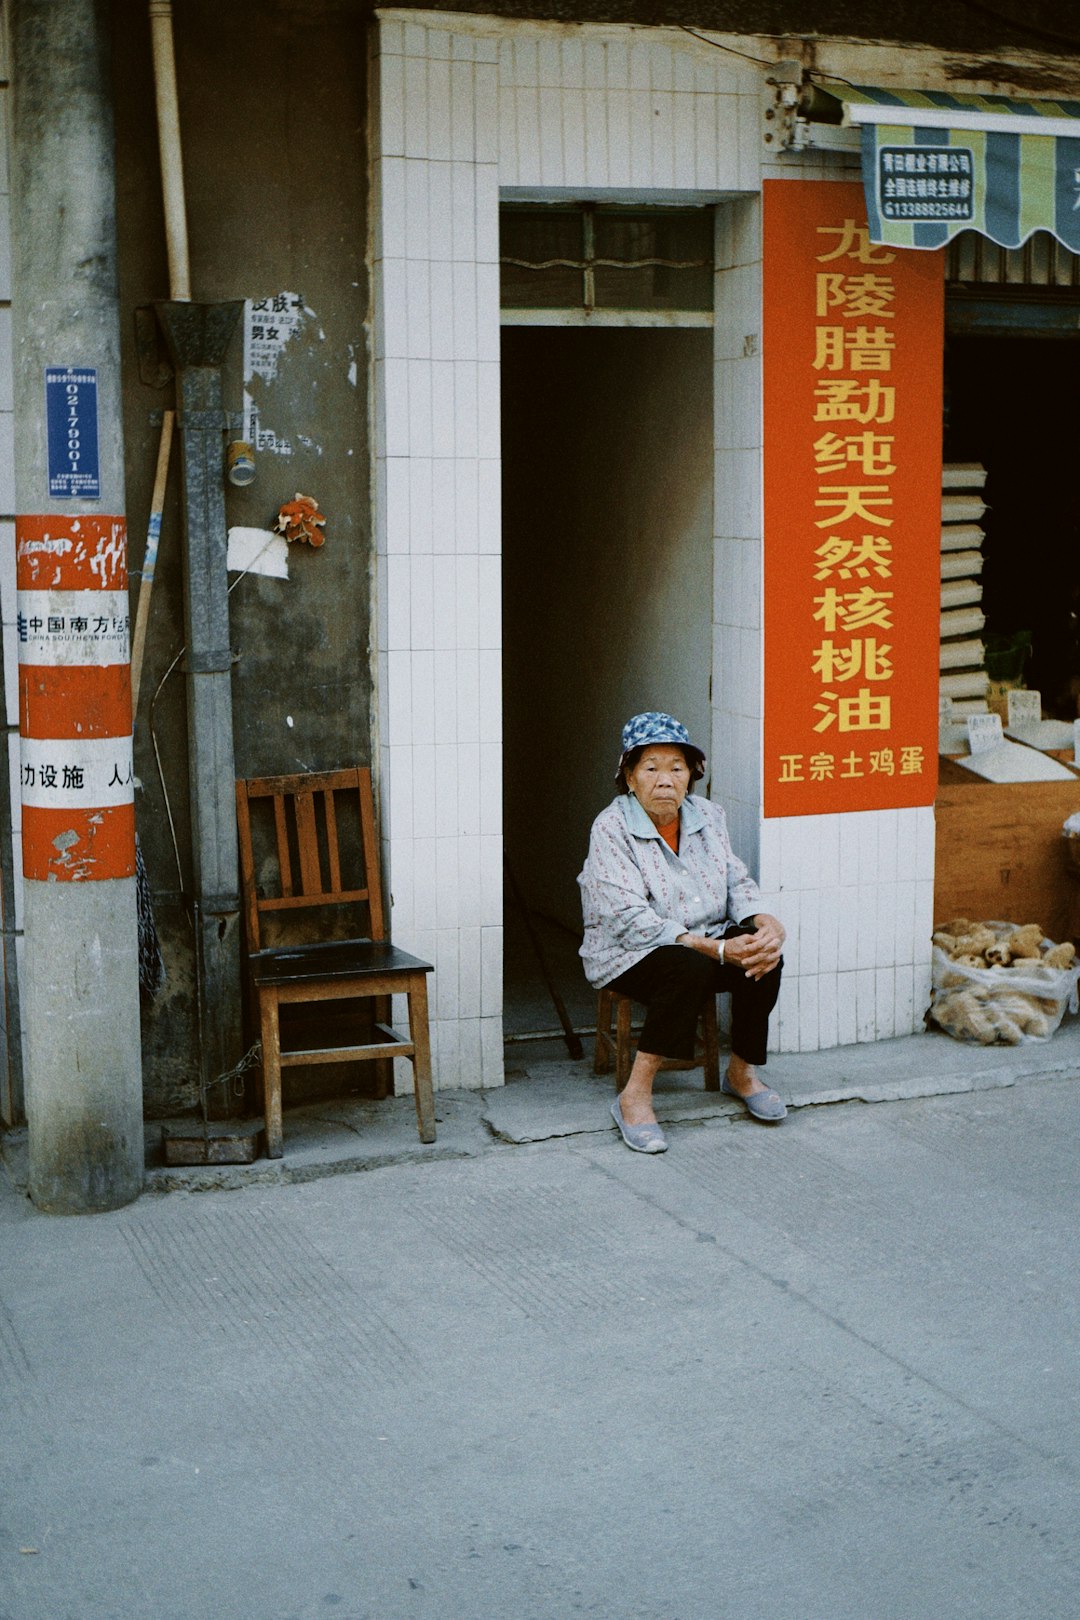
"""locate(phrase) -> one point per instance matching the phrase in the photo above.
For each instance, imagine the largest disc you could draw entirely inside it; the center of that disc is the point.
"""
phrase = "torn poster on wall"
(269, 325)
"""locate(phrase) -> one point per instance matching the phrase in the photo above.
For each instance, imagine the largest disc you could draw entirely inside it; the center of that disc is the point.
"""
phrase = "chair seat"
(331, 959)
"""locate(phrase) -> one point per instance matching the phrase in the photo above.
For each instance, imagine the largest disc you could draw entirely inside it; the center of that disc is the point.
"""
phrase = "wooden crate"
(999, 850)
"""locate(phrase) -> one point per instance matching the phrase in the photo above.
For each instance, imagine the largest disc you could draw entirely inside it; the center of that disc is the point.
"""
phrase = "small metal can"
(240, 462)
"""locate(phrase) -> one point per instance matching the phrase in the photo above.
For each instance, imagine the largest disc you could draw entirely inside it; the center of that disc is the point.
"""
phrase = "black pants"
(672, 983)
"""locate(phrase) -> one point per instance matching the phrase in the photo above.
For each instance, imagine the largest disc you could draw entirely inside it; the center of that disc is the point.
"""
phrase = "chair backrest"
(308, 841)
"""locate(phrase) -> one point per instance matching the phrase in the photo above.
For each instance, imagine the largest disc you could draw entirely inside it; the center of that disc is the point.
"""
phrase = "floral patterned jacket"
(637, 895)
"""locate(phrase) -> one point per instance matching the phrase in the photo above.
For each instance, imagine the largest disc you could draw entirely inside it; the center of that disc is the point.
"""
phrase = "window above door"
(593, 263)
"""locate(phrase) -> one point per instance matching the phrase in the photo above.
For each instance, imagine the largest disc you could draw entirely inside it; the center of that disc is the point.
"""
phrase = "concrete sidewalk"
(548, 1096)
(821, 1372)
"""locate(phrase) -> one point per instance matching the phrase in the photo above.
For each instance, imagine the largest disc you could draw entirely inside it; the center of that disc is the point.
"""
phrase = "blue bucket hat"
(654, 727)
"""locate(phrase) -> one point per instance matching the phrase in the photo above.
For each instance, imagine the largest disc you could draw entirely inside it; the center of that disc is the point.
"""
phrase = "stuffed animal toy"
(964, 1013)
(983, 981)
(1018, 1016)
(974, 942)
(1025, 942)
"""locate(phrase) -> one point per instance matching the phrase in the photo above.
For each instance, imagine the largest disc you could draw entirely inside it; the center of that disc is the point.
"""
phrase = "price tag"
(1025, 708)
(984, 731)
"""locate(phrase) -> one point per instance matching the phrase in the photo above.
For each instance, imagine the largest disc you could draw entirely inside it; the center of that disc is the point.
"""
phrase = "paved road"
(826, 1372)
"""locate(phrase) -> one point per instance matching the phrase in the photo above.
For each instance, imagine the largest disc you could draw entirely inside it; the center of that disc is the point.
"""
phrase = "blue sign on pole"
(71, 417)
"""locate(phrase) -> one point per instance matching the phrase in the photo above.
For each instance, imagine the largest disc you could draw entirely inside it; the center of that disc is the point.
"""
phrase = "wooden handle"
(153, 536)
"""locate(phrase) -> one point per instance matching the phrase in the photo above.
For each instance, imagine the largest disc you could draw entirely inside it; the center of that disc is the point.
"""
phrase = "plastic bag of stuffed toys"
(998, 985)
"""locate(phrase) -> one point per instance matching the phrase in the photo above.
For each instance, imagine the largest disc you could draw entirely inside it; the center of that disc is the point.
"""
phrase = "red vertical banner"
(852, 376)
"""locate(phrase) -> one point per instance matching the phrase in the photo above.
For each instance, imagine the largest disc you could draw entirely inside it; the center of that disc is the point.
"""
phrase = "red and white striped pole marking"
(78, 794)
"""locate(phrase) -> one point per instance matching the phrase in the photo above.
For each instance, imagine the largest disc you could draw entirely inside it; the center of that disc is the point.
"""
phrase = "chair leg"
(382, 1068)
(711, 1042)
(602, 1053)
(420, 1037)
(623, 1055)
(271, 1071)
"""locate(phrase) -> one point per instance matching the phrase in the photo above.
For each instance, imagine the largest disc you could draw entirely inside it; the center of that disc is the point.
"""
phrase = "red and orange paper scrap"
(300, 519)
(852, 361)
(78, 797)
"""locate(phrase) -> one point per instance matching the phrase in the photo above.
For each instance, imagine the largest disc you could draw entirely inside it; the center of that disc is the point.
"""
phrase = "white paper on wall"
(257, 551)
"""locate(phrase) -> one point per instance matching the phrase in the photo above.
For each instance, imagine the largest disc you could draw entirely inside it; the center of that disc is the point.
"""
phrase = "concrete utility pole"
(80, 983)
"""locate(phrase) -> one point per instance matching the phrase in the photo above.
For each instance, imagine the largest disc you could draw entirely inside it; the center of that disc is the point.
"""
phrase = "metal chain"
(232, 1076)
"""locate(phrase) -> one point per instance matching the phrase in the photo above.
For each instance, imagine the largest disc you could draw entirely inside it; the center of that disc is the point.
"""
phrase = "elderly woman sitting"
(671, 917)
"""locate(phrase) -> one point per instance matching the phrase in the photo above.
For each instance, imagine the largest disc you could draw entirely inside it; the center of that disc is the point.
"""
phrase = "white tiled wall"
(737, 565)
(465, 110)
(438, 525)
(855, 892)
(631, 110)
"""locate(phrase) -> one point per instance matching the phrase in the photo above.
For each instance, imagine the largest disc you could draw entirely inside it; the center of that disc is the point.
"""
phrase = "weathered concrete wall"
(272, 108)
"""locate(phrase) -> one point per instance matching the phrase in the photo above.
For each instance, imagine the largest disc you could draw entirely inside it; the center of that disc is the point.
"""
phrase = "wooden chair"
(618, 1045)
(294, 860)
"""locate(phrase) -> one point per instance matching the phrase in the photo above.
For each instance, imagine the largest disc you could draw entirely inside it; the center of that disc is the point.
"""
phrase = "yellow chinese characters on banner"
(852, 359)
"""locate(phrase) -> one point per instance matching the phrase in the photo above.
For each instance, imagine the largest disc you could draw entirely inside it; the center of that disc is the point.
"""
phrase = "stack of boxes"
(963, 676)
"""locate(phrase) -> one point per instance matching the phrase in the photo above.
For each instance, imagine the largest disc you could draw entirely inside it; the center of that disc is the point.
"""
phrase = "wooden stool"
(617, 1045)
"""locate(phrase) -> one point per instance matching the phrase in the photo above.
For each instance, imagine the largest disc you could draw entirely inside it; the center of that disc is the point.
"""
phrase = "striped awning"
(936, 163)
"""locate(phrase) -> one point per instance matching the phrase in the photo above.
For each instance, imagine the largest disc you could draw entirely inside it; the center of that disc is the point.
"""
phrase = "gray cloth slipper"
(765, 1105)
(642, 1138)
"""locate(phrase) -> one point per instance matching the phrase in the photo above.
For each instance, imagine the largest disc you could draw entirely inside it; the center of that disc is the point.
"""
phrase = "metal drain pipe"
(198, 336)
(172, 159)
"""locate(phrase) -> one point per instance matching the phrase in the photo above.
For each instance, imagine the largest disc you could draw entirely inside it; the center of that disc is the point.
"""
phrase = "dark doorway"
(1012, 404)
(607, 598)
